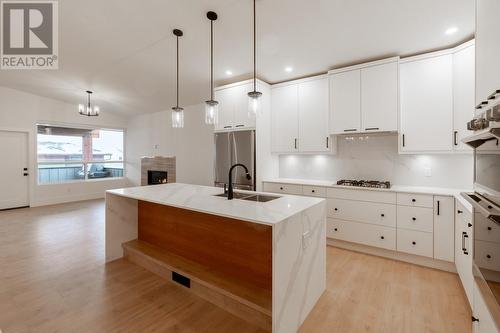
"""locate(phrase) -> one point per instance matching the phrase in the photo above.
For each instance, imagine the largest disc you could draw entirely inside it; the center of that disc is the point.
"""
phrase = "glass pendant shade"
(211, 112)
(177, 117)
(254, 101)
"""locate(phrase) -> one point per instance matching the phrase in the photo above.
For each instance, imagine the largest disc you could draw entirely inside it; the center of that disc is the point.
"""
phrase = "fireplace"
(157, 177)
(158, 170)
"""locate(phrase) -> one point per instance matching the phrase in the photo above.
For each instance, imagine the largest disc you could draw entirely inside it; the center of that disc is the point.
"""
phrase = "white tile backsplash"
(376, 158)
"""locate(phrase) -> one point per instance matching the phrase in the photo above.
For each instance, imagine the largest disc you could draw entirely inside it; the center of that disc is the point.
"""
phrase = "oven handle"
(465, 237)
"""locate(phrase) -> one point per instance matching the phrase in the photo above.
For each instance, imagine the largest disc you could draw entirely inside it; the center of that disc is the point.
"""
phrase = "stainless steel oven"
(486, 203)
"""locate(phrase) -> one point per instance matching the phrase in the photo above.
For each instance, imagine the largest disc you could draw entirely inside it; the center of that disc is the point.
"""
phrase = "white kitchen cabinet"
(426, 93)
(283, 188)
(463, 248)
(313, 116)
(463, 94)
(362, 233)
(487, 48)
(379, 97)
(444, 227)
(233, 107)
(345, 93)
(285, 124)
(414, 242)
(485, 322)
(300, 116)
(364, 98)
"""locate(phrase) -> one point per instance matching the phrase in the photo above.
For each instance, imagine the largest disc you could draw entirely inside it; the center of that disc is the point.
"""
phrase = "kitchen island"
(262, 261)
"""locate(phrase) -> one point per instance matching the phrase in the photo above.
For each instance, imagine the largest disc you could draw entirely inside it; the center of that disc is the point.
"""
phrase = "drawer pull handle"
(336, 229)
(413, 200)
(313, 191)
(489, 228)
(383, 215)
(281, 188)
(469, 225)
(382, 237)
(414, 218)
(414, 243)
(488, 256)
(459, 211)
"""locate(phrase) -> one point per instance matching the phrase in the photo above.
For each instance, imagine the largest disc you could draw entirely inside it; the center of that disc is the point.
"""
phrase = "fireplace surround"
(158, 170)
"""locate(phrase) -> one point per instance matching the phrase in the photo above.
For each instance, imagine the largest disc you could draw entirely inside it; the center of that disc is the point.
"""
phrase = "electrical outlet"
(427, 172)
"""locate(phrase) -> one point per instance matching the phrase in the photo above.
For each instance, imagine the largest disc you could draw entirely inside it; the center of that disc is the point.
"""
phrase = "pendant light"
(88, 110)
(254, 96)
(211, 106)
(177, 111)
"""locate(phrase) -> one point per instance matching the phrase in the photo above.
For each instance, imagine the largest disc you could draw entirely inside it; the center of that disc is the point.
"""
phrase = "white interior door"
(13, 182)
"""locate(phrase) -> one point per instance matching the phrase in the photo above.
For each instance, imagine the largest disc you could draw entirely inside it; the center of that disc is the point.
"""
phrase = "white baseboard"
(67, 198)
(409, 258)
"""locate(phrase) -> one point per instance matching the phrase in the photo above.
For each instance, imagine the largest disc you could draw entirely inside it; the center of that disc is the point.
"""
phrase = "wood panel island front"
(262, 261)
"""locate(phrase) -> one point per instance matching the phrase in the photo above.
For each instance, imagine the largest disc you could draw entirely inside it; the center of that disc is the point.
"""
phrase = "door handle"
(26, 174)
(295, 143)
(350, 130)
(438, 204)
(372, 129)
(404, 140)
(455, 138)
(327, 139)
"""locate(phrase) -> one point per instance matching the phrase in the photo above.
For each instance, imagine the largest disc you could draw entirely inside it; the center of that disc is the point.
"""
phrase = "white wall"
(20, 111)
(377, 159)
(193, 145)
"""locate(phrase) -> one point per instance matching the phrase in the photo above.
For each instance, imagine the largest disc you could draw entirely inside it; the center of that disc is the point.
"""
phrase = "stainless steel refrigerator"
(232, 148)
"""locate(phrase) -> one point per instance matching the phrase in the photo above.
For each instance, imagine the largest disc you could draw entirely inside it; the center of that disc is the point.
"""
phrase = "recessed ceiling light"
(288, 69)
(451, 31)
(228, 72)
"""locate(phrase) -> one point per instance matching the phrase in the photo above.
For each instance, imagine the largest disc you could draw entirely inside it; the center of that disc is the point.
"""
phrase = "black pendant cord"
(177, 80)
(88, 100)
(211, 60)
(254, 50)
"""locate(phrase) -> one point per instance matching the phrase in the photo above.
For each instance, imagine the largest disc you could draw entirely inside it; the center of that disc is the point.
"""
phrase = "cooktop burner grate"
(364, 183)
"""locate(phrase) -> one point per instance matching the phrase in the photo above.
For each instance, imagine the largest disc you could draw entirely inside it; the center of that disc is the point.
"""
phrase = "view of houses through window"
(78, 154)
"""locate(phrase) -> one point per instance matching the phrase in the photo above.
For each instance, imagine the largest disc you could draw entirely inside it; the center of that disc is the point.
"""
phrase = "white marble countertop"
(394, 188)
(201, 199)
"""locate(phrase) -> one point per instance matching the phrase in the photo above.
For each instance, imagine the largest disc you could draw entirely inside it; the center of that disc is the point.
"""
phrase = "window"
(76, 154)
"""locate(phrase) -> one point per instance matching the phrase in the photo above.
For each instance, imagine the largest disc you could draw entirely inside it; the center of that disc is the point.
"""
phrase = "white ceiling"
(124, 50)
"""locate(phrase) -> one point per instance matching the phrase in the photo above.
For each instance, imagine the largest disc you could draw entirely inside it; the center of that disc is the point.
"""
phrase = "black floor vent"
(181, 279)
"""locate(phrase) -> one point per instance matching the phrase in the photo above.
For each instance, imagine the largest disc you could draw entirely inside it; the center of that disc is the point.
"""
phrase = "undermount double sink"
(250, 197)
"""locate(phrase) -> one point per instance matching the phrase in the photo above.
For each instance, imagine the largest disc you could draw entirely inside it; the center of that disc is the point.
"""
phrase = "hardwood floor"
(53, 279)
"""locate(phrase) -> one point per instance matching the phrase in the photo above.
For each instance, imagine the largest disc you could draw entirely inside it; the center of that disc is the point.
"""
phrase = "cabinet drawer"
(487, 255)
(368, 234)
(362, 195)
(283, 188)
(360, 211)
(416, 218)
(415, 242)
(485, 229)
(416, 200)
(314, 191)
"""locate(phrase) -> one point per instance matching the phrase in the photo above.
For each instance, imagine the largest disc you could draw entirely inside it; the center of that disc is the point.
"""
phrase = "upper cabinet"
(284, 118)
(379, 97)
(437, 100)
(233, 107)
(463, 94)
(427, 103)
(364, 98)
(345, 92)
(487, 48)
(300, 116)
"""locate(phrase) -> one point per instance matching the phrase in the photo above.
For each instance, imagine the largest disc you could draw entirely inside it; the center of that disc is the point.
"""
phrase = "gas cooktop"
(364, 183)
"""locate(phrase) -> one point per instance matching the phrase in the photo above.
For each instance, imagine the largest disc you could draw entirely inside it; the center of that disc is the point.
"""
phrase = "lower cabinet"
(362, 233)
(415, 242)
(414, 223)
(484, 323)
(463, 249)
